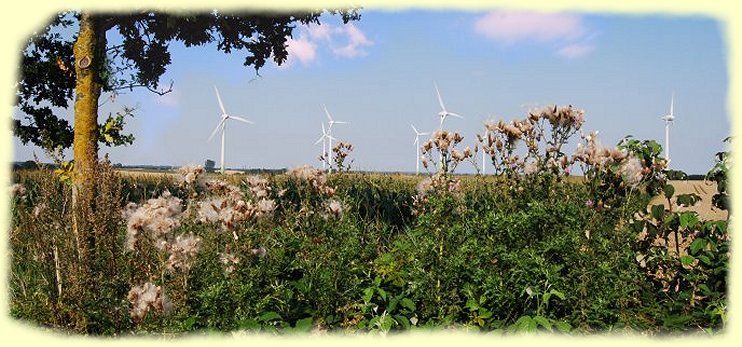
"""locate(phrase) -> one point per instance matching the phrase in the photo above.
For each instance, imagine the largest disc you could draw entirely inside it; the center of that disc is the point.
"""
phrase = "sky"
(379, 74)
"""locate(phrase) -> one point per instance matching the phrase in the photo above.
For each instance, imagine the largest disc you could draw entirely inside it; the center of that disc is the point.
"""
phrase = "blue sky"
(378, 74)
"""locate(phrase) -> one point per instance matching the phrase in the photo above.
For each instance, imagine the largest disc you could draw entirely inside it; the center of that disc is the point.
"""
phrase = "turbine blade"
(218, 126)
(415, 129)
(327, 113)
(455, 115)
(339, 122)
(422, 134)
(324, 133)
(321, 138)
(218, 98)
(672, 101)
(240, 119)
(440, 100)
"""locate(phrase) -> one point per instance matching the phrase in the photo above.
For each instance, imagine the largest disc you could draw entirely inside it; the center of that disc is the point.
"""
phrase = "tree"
(209, 165)
(57, 66)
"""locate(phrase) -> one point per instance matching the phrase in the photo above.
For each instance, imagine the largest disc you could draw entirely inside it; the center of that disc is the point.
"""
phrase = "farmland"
(354, 253)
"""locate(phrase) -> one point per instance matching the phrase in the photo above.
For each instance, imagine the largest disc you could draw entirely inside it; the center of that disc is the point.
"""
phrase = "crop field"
(621, 248)
(347, 253)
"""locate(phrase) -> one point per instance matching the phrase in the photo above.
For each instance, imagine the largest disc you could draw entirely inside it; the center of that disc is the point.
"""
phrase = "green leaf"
(382, 293)
(686, 260)
(408, 304)
(472, 304)
(525, 323)
(563, 326)
(688, 200)
(705, 289)
(403, 321)
(367, 294)
(484, 313)
(189, 322)
(697, 245)
(688, 220)
(542, 321)
(304, 325)
(269, 316)
(392, 304)
(704, 259)
(557, 293)
(249, 324)
(669, 190)
(658, 211)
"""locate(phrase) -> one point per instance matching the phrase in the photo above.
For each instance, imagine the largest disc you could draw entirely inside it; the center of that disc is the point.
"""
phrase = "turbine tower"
(444, 113)
(669, 119)
(417, 148)
(223, 125)
(325, 136)
(330, 122)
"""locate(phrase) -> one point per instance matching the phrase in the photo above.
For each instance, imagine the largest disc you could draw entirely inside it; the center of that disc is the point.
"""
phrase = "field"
(351, 253)
(529, 248)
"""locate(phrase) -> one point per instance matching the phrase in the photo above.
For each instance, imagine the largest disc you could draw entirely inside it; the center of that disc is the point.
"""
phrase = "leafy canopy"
(139, 59)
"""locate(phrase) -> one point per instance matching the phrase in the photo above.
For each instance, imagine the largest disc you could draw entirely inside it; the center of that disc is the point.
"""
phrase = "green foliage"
(518, 254)
(139, 59)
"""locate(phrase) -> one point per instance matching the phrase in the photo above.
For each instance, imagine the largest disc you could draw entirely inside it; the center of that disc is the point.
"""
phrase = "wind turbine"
(417, 146)
(330, 122)
(669, 119)
(223, 125)
(444, 113)
(325, 136)
(484, 162)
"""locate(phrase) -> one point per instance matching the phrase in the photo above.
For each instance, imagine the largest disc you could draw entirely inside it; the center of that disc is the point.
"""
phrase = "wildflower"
(631, 172)
(530, 168)
(589, 203)
(146, 297)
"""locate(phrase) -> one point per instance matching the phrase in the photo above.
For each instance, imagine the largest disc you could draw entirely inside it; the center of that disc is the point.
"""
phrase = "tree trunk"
(89, 52)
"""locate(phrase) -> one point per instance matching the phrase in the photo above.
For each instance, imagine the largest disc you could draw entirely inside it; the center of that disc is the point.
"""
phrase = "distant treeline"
(30, 165)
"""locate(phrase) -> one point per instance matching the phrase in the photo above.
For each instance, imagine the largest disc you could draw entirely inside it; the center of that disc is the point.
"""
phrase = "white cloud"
(356, 42)
(575, 50)
(513, 26)
(319, 32)
(346, 41)
(510, 27)
(302, 49)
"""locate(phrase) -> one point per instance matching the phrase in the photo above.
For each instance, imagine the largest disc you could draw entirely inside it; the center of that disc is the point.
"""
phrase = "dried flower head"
(259, 252)
(631, 172)
(146, 297)
(335, 208)
(182, 250)
(189, 174)
(156, 216)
